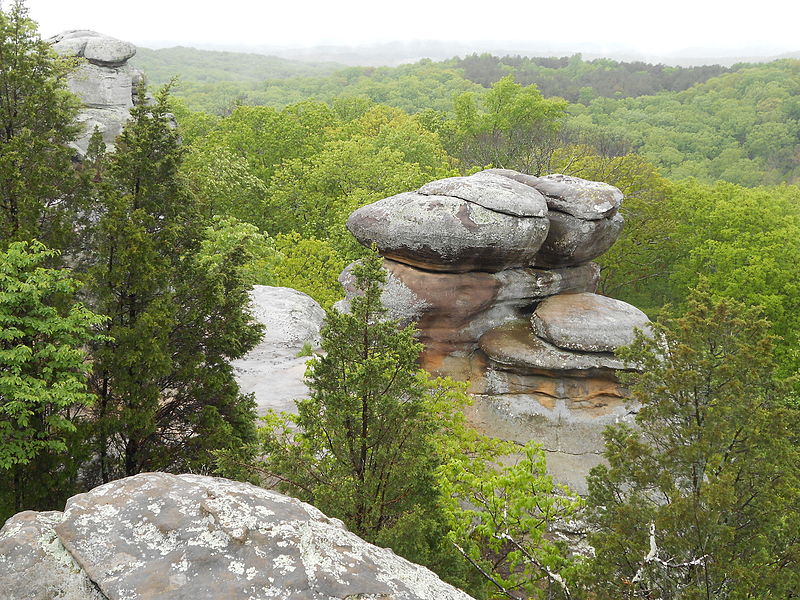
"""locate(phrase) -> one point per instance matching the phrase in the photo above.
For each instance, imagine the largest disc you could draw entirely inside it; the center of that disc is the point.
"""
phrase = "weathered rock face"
(513, 313)
(105, 82)
(157, 536)
(480, 223)
(587, 322)
(34, 564)
(273, 371)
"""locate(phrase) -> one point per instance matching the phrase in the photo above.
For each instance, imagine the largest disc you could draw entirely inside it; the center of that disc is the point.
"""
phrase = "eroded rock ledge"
(157, 536)
(496, 270)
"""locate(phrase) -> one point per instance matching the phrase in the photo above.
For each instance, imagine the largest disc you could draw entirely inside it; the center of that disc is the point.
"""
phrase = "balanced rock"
(587, 322)
(273, 371)
(496, 271)
(493, 224)
(95, 47)
(104, 83)
(157, 536)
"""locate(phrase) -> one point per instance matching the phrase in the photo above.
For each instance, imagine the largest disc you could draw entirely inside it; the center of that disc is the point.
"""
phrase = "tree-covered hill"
(742, 127)
(578, 80)
(191, 64)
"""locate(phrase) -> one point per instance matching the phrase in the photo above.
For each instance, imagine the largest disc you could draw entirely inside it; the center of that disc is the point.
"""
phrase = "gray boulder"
(584, 218)
(445, 233)
(34, 565)
(578, 197)
(573, 241)
(587, 322)
(491, 191)
(95, 47)
(157, 536)
(514, 347)
(273, 371)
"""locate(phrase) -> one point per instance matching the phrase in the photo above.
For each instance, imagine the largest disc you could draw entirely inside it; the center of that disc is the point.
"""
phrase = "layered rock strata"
(496, 271)
(104, 81)
(157, 536)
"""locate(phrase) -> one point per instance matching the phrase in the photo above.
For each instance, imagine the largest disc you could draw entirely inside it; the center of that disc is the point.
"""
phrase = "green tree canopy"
(43, 368)
(702, 498)
(38, 183)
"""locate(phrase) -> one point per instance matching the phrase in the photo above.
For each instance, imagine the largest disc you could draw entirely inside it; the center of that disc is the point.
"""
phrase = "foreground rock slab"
(34, 564)
(157, 536)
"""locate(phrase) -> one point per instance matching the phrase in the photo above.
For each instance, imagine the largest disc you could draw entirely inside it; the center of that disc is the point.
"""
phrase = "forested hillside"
(739, 124)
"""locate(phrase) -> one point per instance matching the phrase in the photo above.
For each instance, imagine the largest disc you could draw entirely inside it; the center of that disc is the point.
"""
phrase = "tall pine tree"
(166, 392)
(38, 183)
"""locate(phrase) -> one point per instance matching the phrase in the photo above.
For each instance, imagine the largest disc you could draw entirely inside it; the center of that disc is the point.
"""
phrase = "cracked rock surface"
(156, 536)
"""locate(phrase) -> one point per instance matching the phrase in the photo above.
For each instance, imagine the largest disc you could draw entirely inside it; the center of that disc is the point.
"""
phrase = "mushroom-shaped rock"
(446, 233)
(34, 564)
(273, 371)
(158, 536)
(95, 47)
(578, 197)
(587, 322)
(514, 347)
(104, 83)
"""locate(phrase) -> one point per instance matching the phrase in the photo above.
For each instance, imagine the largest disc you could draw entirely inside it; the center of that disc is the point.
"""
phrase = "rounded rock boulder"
(587, 322)
(447, 233)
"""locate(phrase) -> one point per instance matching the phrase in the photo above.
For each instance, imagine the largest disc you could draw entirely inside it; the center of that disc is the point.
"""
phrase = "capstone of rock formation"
(105, 82)
(157, 536)
(495, 269)
(274, 370)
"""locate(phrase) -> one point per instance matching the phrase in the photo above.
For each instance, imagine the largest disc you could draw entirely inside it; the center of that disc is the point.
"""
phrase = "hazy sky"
(648, 27)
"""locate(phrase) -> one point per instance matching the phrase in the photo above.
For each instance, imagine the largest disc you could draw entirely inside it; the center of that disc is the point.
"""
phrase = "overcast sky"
(647, 27)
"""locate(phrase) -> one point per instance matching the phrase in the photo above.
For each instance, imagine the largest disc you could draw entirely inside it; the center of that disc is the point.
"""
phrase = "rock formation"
(105, 82)
(156, 536)
(496, 270)
(273, 371)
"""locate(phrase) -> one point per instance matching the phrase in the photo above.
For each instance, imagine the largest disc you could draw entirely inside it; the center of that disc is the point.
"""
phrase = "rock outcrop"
(496, 271)
(105, 82)
(274, 370)
(157, 536)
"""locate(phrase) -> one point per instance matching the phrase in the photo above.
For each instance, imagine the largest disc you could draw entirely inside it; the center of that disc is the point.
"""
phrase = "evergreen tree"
(702, 499)
(166, 395)
(38, 183)
(43, 367)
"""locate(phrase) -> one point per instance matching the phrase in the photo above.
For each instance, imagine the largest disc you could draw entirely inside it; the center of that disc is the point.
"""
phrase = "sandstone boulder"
(514, 347)
(492, 191)
(34, 565)
(95, 47)
(444, 233)
(587, 322)
(273, 371)
(573, 241)
(157, 536)
(104, 83)
(578, 197)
